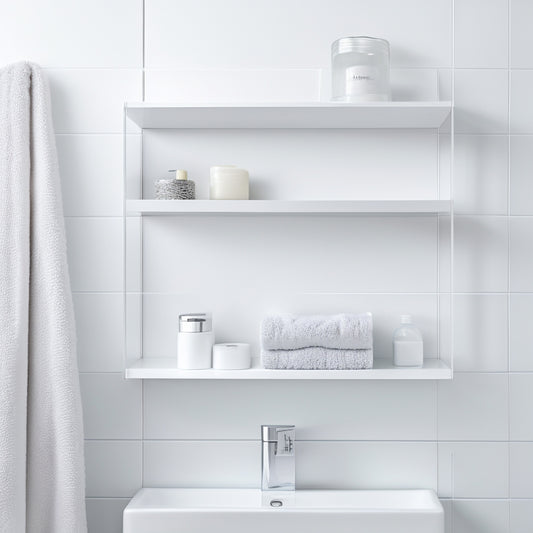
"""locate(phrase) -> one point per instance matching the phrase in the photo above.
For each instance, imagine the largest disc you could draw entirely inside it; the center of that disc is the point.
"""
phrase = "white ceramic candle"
(229, 183)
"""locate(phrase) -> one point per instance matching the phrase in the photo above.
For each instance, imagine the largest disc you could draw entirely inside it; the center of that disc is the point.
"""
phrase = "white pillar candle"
(229, 183)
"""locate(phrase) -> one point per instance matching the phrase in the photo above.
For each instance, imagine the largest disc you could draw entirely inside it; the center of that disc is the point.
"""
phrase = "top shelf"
(387, 115)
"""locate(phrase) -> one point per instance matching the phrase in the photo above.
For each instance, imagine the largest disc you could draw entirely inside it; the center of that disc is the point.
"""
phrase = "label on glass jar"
(362, 80)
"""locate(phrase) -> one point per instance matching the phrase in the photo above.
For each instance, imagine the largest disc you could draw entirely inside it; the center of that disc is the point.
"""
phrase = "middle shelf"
(301, 207)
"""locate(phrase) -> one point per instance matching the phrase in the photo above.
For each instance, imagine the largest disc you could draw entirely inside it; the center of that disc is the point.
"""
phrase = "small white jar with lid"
(231, 356)
(360, 68)
(195, 341)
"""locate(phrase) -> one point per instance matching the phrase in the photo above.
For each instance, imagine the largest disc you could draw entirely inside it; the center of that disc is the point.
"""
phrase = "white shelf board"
(290, 115)
(166, 368)
(262, 207)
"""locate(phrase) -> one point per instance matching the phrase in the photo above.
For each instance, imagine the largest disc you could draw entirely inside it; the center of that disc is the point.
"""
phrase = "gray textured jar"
(179, 188)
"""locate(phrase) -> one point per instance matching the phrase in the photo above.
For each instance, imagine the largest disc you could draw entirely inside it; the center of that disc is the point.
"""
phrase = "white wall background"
(370, 434)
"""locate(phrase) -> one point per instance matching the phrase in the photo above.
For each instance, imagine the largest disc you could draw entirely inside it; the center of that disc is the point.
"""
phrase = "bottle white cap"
(180, 174)
(406, 319)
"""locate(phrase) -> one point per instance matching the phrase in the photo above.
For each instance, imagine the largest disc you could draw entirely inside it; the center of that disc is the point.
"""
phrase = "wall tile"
(216, 410)
(420, 33)
(521, 332)
(366, 465)
(445, 83)
(232, 85)
(445, 264)
(481, 101)
(95, 254)
(61, 33)
(481, 338)
(521, 175)
(521, 109)
(92, 101)
(481, 33)
(100, 331)
(521, 36)
(474, 469)
(521, 254)
(406, 84)
(521, 407)
(202, 464)
(481, 254)
(91, 174)
(407, 243)
(474, 407)
(480, 516)
(521, 516)
(104, 515)
(481, 174)
(521, 469)
(113, 468)
(326, 465)
(112, 406)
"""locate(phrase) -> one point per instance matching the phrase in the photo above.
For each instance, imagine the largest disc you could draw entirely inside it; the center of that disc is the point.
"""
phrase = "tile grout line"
(318, 294)
(452, 214)
(327, 441)
(509, 260)
(458, 372)
(143, 48)
(143, 99)
(443, 68)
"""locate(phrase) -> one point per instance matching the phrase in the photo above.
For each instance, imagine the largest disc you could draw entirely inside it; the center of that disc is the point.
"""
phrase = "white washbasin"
(304, 511)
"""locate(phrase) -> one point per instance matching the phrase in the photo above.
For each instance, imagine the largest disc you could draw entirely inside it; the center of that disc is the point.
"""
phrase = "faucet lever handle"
(285, 444)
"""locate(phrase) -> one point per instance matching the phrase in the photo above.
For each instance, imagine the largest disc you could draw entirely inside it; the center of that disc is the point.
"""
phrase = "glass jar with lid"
(360, 69)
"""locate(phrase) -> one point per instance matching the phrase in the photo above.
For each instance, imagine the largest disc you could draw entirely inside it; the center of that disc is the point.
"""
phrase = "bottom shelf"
(166, 368)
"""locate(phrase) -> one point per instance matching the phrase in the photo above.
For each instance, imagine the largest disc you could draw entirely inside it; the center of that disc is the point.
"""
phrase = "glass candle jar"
(360, 69)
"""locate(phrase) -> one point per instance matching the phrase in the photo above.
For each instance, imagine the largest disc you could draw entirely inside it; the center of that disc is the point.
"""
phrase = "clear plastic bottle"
(360, 69)
(408, 345)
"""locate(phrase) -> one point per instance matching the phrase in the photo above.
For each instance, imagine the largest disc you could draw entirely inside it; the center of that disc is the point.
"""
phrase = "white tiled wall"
(470, 439)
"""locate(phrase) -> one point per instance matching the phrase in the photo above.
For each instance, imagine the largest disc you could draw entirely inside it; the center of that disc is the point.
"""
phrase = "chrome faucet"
(278, 460)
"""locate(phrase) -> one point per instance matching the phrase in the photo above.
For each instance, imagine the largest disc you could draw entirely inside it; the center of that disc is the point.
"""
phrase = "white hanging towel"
(41, 431)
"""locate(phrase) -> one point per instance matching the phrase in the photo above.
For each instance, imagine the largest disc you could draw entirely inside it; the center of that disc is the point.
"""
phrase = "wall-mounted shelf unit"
(300, 115)
(288, 207)
(161, 129)
(166, 368)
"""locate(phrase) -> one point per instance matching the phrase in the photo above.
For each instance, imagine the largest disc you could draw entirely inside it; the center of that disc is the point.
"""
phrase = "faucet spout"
(278, 458)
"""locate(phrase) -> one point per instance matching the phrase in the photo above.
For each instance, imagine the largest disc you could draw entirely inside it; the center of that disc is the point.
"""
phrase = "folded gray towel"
(341, 332)
(317, 358)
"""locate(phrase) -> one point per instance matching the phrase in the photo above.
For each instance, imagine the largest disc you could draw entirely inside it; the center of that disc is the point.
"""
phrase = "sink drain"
(276, 503)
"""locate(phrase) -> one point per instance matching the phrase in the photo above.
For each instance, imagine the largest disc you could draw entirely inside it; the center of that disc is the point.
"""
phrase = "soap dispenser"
(408, 345)
(176, 188)
(195, 341)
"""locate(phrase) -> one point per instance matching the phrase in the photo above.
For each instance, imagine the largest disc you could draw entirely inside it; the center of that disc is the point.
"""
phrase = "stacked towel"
(333, 342)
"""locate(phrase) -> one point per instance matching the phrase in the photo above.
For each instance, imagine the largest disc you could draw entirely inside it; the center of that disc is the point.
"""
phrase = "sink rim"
(252, 500)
